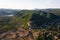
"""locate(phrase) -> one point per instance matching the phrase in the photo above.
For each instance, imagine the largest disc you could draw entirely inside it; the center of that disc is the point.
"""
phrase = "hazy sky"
(29, 4)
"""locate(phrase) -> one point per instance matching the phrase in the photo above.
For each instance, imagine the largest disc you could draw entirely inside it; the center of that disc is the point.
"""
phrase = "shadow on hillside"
(38, 19)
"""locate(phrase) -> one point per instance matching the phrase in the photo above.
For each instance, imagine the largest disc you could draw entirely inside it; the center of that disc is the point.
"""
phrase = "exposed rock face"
(18, 35)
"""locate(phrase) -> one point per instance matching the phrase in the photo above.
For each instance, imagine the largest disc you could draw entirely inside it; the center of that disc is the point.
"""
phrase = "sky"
(29, 4)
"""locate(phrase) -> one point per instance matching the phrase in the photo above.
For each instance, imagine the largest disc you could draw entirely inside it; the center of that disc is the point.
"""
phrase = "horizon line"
(29, 9)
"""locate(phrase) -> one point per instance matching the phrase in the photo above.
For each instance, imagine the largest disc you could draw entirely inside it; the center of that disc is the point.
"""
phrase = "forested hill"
(55, 11)
(41, 18)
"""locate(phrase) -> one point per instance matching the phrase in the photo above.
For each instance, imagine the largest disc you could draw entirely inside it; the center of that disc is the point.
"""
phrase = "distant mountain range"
(7, 12)
(12, 11)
